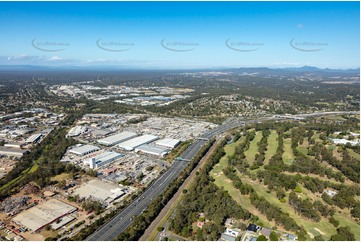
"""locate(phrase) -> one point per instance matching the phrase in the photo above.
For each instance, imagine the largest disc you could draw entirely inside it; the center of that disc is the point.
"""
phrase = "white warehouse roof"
(39, 216)
(77, 130)
(168, 142)
(103, 159)
(99, 190)
(84, 149)
(108, 155)
(33, 138)
(152, 149)
(141, 140)
(117, 138)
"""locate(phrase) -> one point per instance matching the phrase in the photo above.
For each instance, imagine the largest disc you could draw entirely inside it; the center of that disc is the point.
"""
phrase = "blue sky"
(181, 34)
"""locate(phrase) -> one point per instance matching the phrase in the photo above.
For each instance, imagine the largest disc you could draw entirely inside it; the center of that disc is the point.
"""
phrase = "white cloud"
(55, 58)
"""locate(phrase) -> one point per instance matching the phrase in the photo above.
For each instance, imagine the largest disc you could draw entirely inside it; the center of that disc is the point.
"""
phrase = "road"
(123, 219)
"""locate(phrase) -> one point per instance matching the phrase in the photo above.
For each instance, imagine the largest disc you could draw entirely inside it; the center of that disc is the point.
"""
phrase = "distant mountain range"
(297, 71)
(258, 70)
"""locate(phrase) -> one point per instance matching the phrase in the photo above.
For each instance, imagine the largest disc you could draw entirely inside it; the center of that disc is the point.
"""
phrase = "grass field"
(345, 221)
(272, 146)
(323, 227)
(253, 148)
(288, 152)
(316, 137)
(48, 233)
(302, 149)
(222, 181)
(60, 177)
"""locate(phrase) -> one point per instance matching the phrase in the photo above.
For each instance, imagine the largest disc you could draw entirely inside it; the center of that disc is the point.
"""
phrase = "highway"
(123, 219)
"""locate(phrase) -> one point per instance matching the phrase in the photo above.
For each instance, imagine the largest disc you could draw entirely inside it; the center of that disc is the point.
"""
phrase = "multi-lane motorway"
(122, 220)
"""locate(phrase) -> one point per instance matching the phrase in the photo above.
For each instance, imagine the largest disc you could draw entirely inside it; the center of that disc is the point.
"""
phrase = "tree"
(159, 229)
(61, 184)
(334, 222)
(273, 236)
(343, 234)
(261, 238)
(318, 238)
(92, 172)
(298, 189)
(355, 212)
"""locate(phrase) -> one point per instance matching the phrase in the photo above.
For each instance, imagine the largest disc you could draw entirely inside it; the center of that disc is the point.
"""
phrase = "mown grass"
(323, 227)
(272, 144)
(287, 156)
(253, 148)
(222, 181)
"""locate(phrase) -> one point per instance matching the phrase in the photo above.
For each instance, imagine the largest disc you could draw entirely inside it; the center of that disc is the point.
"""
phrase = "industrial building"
(34, 138)
(102, 159)
(12, 152)
(135, 142)
(13, 145)
(168, 142)
(41, 215)
(117, 138)
(77, 130)
(84, 150)
(101, 132)
(153, 150)
(101, 191)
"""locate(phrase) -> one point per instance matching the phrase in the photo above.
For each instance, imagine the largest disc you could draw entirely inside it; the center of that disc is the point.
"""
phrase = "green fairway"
(253, 148)
(287, 156)
(229, 149)
(222, 181)
(302, 149)
(346, 221)
(324, 226)
(272, 146)
(316, 137)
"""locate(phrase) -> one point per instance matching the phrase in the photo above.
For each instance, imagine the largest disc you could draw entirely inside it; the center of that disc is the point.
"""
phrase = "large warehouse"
(77, 130)
(153, 150)
(84, 150)
(117, 138)
(141, 140)
(101, 191)
(103, 159)
(168, 142)
(41, 215)
(34, 138)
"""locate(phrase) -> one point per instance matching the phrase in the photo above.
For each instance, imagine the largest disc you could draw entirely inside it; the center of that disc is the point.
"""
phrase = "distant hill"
(261, 71)
(289, 71)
